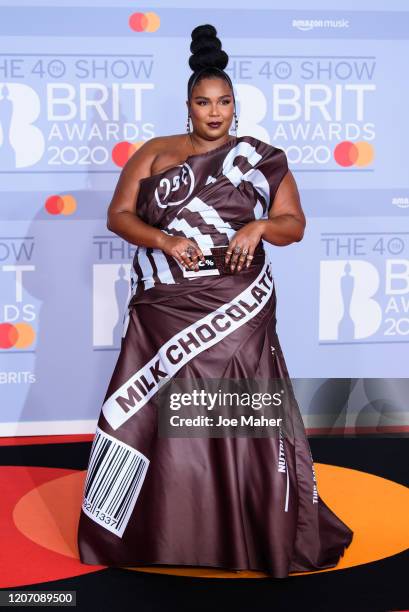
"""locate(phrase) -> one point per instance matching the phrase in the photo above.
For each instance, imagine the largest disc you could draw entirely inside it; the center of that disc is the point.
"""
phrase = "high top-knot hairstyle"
(207, 59)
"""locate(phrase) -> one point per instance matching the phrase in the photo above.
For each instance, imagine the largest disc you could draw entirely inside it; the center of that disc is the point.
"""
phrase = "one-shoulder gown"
(224, 502)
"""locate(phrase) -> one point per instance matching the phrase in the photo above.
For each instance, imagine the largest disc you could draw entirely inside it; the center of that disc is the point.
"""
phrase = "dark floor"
(382, 586)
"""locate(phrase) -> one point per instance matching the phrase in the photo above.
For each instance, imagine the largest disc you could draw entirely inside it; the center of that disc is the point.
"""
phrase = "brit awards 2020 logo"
(21, 141)
(18, 321)
(74, 113)
(365, 297)
(111, 290)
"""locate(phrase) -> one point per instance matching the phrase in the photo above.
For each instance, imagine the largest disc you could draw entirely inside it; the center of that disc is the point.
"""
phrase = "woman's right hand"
(184, 250)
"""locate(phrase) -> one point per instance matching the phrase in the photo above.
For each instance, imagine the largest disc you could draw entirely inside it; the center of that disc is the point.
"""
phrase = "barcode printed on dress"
(115, 475)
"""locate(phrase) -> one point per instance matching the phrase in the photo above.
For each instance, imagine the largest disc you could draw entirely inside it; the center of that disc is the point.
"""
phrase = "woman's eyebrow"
(206, 98)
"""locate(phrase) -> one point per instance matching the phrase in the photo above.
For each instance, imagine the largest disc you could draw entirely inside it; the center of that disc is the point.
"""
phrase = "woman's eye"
(201, 102)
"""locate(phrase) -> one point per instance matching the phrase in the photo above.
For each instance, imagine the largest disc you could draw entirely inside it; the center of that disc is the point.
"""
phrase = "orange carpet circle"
(41, 508)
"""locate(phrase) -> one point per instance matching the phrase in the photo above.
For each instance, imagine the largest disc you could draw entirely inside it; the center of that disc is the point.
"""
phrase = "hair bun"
(207, 49)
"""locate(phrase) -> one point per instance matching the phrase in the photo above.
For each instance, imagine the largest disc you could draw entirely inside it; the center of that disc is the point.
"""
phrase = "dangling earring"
(236, 123)
(188, 124)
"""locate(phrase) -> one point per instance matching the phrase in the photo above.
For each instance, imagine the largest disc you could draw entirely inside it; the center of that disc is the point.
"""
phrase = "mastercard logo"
(144, 22)
(19, 335)
(123, 151)
(61, 205)
(359, 153)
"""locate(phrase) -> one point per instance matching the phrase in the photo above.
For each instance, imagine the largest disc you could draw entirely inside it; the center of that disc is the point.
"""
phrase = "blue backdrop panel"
(79, 85)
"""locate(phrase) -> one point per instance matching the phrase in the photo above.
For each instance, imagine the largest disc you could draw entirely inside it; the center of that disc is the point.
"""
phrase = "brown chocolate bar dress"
(223, 502)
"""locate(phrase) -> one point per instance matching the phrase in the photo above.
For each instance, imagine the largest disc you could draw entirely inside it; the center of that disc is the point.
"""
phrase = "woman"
(203, 307)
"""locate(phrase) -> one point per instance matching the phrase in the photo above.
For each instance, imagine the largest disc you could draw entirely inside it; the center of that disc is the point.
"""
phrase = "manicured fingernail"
(238, 268)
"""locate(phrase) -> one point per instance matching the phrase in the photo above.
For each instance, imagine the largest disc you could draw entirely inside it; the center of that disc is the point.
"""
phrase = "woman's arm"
(285, 224)
(286, 220)
(122, 218)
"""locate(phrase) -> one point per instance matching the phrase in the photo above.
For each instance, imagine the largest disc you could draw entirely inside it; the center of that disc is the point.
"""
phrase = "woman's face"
(211, 103)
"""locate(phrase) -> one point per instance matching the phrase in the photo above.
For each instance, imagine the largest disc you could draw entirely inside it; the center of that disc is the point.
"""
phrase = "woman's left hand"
(246, 239)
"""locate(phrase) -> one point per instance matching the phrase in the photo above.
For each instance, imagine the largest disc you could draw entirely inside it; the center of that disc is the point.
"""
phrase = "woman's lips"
(215, 124)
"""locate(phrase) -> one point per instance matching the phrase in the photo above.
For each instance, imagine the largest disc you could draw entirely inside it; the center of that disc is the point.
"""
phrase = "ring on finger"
(237, 250)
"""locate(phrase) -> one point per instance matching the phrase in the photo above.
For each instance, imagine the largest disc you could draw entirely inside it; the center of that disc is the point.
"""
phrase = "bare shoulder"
(140, 164)
(174, 144)
(171, 150)
(161, 144)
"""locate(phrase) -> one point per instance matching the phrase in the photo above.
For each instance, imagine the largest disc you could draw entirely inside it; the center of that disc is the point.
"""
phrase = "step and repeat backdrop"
(82, 87)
